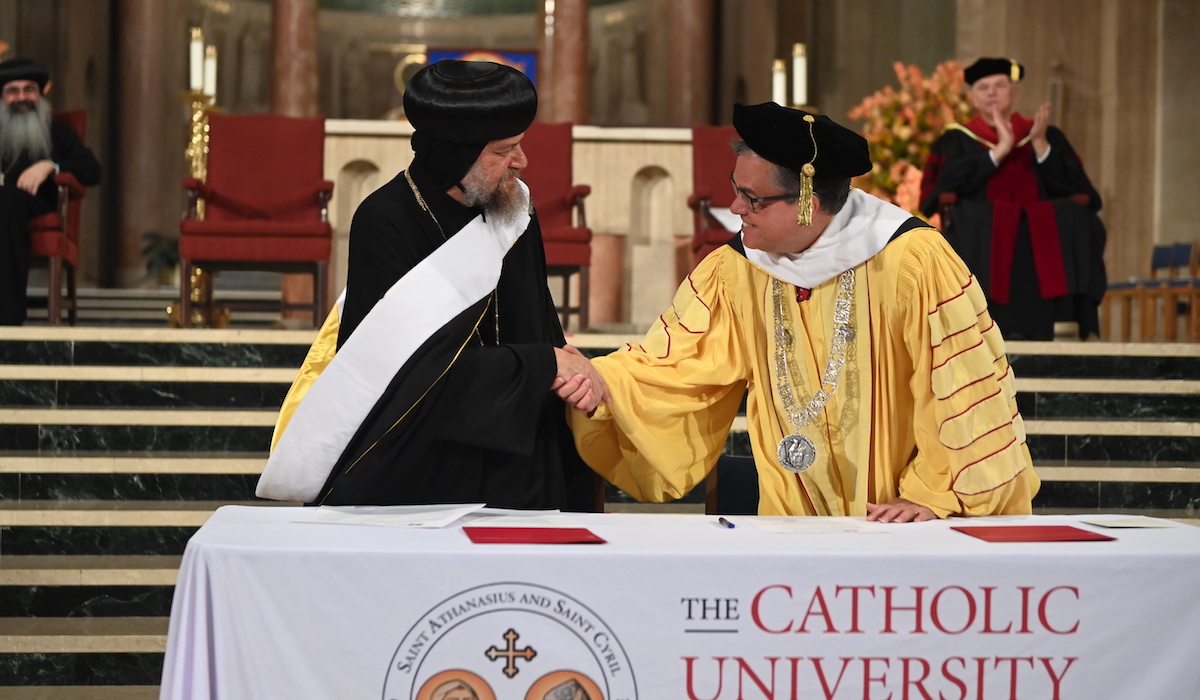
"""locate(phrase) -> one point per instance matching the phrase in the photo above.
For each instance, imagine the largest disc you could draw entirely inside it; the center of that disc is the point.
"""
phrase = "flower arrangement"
(901, 126)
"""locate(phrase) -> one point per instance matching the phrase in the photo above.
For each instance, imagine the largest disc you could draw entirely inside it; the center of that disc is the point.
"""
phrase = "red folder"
(532, 535)
(1032, 533)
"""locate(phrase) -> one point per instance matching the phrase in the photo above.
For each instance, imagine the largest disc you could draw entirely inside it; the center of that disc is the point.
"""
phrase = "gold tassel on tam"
(804, 217)
(807, 171)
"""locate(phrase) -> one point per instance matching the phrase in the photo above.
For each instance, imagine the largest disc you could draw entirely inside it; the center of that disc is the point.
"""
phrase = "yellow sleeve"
(318, 358)
(971, 453)
(674, 395)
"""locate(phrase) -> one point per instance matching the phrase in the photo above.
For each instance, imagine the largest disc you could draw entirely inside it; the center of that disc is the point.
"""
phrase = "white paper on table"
(500, 517)
(1137, 521)
(805, 524)
(422, 516)
(729, 221)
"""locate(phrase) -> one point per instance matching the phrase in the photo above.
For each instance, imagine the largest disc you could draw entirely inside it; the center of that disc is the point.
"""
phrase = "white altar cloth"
(678, 606)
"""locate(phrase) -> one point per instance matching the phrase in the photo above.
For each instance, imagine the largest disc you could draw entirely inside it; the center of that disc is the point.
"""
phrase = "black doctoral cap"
(814, 144)
(24, 69)
(457, 107)
(994, 66)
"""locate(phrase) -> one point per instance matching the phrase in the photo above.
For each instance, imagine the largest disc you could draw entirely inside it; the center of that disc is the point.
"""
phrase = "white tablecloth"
(680, 607)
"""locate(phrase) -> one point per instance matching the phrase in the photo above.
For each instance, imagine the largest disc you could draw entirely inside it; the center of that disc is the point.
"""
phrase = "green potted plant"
(162, 257)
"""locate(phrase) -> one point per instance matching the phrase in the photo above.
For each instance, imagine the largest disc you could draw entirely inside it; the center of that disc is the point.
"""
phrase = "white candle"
(799, 75)
(210, 71)
(779, 82)
(196, 59)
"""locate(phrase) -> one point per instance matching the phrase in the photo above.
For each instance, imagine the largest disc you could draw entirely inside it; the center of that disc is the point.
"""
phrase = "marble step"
(138, 476)
(52, 386)
(82, 635)
(81, 651)
(82, 692)
(124, 429)
(70, 527)
(166, 347)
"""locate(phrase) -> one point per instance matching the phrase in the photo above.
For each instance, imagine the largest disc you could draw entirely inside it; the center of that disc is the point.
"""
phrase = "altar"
(682, 606)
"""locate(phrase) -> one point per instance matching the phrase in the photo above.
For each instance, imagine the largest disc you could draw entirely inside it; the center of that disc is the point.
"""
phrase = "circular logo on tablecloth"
(510, 641)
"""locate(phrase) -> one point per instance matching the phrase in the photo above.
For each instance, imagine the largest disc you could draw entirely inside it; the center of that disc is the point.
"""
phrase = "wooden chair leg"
(1148, 313)
(1170, 316)
(54, 291)
(320, 293)
(185, 293)
(1106, 317)
(1126, 318)
(73, 296)
(584, 297)
(1194, 325)
(209, 306)
(565, 316)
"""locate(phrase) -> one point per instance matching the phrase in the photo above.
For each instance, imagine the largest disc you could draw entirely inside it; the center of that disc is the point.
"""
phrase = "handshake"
(577, 382)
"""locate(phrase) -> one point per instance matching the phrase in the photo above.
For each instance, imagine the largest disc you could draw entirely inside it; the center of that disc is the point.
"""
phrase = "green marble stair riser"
(127, 487)
(130, 394)
(85, 601)
(80, 669)
(1104, 366)
(59, 439)
(94, 540)
(150, 354)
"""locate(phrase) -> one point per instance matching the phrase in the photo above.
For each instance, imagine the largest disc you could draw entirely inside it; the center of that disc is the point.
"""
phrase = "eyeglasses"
(753, 202)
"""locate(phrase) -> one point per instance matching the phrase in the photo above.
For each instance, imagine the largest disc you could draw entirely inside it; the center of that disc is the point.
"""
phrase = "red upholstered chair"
(568, 242)
(265, 205)
(55, 236)
(712, 161)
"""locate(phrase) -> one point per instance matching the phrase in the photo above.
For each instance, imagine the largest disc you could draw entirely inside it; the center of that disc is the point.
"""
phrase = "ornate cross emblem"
(511, 653)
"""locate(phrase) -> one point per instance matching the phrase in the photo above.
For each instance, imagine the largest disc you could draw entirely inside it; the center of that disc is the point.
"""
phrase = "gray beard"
(25, 132)
(504, 203)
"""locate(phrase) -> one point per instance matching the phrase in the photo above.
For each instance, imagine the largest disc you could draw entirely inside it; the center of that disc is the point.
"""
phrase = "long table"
(679, 606)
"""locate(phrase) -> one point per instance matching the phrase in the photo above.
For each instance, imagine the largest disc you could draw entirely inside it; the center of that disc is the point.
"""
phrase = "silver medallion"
(797, 453)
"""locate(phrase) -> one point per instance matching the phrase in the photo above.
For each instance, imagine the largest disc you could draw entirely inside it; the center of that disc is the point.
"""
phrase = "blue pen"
(725, 522)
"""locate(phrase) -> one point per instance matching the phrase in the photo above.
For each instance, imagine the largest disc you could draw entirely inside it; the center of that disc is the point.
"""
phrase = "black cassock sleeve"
(956, 164)
(1062, 174)
(73, 156)
(499, 393)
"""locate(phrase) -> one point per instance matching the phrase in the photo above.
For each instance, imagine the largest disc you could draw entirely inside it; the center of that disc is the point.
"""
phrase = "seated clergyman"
(878, 383)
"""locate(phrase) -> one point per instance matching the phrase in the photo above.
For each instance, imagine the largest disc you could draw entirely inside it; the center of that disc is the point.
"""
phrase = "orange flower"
(901, 125)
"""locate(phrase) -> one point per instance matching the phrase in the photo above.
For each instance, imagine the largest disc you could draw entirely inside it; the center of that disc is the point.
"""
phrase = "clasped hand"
(33, 176)
(577, 382)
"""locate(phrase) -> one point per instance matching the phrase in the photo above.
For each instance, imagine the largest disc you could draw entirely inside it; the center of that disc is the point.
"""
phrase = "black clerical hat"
(786, 137)
(813, 144)
(470, 101)
(994, 66)
(24, 69)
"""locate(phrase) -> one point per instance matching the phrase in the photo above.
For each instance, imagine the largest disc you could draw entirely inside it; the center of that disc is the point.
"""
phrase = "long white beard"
(504, 203)
(25, 132)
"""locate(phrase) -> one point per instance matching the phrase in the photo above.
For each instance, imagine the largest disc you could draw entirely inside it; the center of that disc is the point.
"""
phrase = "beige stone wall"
(640, 181)
(1177, 205)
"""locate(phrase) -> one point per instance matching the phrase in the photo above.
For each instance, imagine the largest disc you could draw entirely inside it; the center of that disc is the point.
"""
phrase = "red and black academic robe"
(1038, 254)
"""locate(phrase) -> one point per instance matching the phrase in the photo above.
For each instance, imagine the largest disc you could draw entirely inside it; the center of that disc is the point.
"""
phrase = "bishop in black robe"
(470, 417)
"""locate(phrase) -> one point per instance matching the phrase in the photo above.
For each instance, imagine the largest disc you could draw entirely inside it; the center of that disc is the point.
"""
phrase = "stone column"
(294, 94)
(563, 52)
(691, 52)
(147, 112)
(294, 58)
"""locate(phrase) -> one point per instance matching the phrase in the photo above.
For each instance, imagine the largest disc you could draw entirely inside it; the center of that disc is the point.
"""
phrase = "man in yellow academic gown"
(877, 382)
